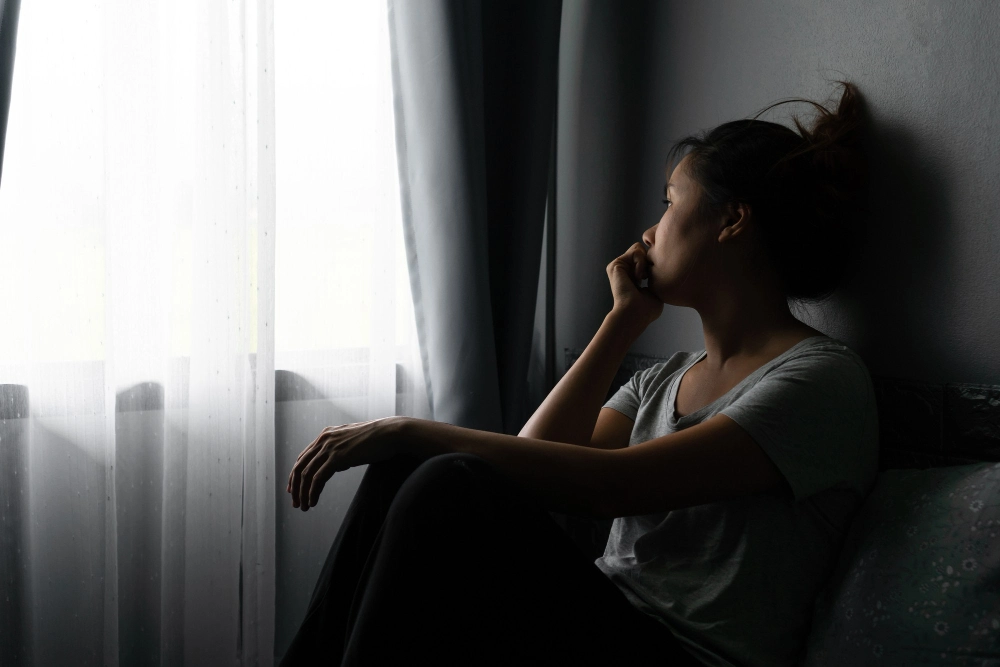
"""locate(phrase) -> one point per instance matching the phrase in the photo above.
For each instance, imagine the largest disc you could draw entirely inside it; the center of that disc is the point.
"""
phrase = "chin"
(670, 295)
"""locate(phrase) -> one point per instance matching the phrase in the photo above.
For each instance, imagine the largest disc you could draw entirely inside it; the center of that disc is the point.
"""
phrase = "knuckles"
(635, 254)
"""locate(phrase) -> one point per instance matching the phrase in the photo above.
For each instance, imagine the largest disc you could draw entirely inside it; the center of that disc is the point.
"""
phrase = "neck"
(744, 320)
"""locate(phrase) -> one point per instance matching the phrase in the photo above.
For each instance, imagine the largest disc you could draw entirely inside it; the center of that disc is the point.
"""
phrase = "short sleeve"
(814, 416)
(628, 398)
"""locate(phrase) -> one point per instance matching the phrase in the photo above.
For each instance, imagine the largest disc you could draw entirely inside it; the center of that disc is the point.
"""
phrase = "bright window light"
(339, 248)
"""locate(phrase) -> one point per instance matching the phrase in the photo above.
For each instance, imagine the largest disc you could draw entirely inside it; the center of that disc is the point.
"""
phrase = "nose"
(647, 236)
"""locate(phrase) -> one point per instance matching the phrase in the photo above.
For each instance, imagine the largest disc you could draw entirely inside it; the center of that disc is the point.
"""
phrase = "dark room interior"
(401, 263)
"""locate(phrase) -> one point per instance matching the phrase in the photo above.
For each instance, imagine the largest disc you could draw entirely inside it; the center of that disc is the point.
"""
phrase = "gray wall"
(924, 302)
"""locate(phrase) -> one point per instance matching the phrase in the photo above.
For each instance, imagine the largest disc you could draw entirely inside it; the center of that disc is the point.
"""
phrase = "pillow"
(918, 578)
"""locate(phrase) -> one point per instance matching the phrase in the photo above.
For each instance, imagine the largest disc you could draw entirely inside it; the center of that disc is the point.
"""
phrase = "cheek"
(671, 243)
(677, 248)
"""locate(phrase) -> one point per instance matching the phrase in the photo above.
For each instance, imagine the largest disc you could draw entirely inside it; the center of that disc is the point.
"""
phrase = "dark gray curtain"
(13, 405)
(475, 94)
(9, 10)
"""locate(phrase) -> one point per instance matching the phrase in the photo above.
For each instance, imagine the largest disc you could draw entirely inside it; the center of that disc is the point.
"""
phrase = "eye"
(667, 202)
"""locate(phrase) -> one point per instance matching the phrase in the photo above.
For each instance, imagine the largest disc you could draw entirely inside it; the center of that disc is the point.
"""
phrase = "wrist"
(625, 323)
(398, 431)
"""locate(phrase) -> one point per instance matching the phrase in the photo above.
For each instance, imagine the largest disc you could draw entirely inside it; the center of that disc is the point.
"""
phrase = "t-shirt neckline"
(672, 417)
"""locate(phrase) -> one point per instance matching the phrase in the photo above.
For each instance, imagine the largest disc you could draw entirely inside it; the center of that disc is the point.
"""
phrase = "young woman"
(731, 472)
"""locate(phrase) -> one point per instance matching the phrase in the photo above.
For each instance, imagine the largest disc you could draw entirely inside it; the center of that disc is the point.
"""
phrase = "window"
(195, 195)
(342, 303)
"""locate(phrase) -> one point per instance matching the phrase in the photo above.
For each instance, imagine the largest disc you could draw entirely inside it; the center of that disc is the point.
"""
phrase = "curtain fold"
(9, 11)
(13, 403)
(474, 95)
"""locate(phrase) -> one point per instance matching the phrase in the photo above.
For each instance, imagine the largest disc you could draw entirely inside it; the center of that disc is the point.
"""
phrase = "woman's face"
(678, 243)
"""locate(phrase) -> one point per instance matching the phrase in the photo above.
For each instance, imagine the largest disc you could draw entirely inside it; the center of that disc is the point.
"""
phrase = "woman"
(731, 472)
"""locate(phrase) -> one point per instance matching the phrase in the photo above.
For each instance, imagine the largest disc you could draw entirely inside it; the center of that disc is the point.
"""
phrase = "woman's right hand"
(626, 272)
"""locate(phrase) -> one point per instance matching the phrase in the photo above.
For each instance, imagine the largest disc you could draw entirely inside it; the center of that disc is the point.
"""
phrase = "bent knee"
(445, 483)
(457, 466)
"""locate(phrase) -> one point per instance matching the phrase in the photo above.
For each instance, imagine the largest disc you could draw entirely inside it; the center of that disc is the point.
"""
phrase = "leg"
(321, 636)
(467, 571)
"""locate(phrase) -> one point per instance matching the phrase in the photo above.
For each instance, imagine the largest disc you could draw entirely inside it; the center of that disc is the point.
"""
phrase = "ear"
(736, 222)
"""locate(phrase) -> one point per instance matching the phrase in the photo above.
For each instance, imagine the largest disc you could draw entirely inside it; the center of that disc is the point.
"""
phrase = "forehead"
(678, 179)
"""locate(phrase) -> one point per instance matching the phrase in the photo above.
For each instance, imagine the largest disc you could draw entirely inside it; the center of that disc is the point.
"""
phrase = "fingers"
(304, 486)
(295, 477)
(307, 453)
(319, 481)
(633, 261)
(637, 255)
(313, 467)
(314, 477)
(306, 483)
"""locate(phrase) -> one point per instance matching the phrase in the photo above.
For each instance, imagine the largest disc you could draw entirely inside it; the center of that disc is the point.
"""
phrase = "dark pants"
(445, 562)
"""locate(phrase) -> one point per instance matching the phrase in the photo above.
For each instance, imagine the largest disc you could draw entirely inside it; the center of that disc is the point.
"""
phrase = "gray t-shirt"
(736, 580)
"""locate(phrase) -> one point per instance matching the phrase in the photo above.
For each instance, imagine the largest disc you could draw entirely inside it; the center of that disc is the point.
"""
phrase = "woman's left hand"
(338, 448)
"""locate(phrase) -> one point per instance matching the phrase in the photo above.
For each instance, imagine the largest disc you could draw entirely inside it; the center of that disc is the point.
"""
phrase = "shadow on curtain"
(475, 96)
(9, 10)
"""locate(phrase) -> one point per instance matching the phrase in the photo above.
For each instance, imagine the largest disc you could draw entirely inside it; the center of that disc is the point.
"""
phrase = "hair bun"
(808, 189)
(833, 146)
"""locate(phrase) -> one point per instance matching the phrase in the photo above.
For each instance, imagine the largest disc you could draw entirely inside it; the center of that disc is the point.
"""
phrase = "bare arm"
(570, 412)
(708, 462)
(613, 430)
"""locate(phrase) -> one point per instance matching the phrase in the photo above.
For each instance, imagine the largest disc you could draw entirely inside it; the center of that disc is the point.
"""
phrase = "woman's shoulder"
(822, 347)
(827, 360)
(661, 372)
(677, 361)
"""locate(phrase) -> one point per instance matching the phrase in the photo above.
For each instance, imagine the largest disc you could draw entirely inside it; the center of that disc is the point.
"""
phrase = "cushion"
(918, 578)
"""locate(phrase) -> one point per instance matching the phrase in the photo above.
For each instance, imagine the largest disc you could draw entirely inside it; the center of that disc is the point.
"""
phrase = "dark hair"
(807, 191)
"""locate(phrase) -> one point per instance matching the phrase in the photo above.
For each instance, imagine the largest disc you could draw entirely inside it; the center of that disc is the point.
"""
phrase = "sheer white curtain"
(150, 279)
(345, 337)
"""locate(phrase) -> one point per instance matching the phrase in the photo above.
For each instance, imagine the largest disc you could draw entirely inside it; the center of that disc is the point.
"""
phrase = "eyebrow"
(667, 187)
